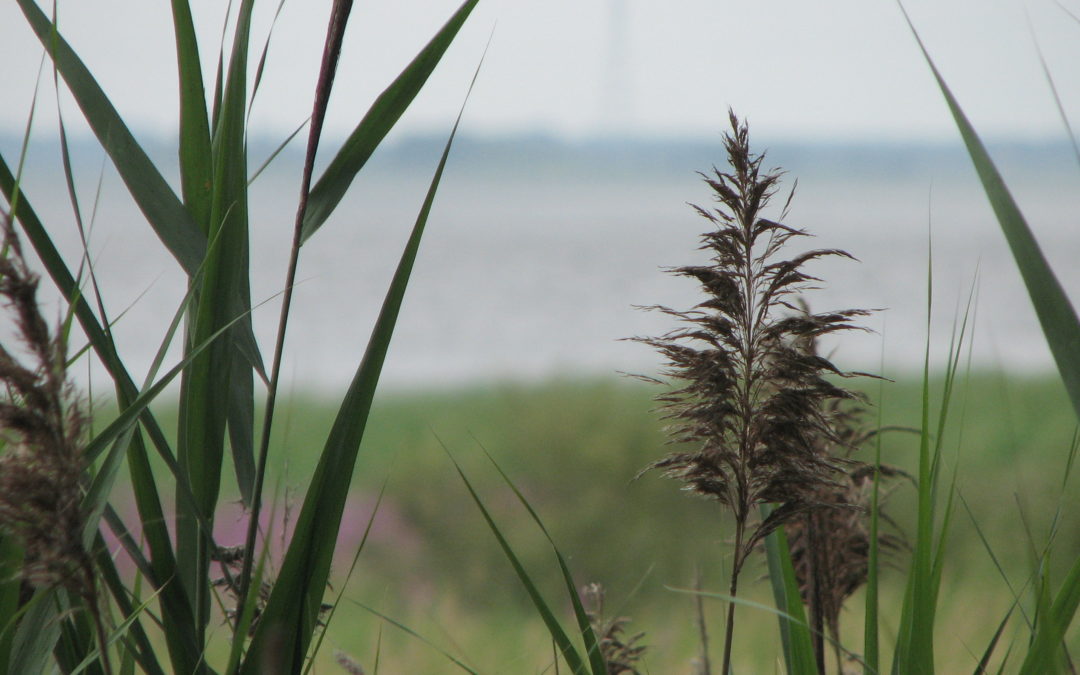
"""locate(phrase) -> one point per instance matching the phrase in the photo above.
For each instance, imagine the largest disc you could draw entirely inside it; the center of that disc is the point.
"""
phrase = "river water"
(538, 250)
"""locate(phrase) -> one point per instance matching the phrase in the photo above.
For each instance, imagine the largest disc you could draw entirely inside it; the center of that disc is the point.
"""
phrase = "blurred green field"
(574, 448)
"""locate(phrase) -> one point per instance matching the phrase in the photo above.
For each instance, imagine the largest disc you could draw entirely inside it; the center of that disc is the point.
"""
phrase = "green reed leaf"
(208, 391)
(297, 596)
(592, 647)
(397, 624)
(1056, 314)
(169, 218)
(35, 635)
(195, 163)
(380, 118)
(183, 646)
(573, 659)
(794, 629)
(1045, 651)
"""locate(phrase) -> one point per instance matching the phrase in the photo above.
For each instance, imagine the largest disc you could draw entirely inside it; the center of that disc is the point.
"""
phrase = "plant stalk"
(729, 629)
(335, 32)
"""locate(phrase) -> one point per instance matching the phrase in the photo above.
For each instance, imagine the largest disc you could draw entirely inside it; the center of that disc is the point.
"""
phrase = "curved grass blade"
(794, 620)
(35, 635)
(795, 632)
(120, 631)
(592, 648)
(262, 59)
(1056, 314)
(298, 592)
(421, 638)
(210, 391)
(573, 659)
(182, 642)
(195, 167)
(273, 155)
(984, 662)
(378, 121)
(335, 35)
(169, 218)
(348, 575)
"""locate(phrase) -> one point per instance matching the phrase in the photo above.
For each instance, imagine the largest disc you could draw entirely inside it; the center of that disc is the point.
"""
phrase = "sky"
(826, 70)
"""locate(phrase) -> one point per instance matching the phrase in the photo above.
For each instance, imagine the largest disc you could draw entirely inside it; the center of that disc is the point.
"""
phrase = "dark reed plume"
(750, 407)
(621, 654)
(830, 543)
(42, 435)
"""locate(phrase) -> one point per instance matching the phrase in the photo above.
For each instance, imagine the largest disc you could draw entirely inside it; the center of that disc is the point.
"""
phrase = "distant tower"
(616, 113)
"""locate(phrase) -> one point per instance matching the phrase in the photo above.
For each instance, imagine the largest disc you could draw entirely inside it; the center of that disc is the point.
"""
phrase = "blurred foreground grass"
(574, 447)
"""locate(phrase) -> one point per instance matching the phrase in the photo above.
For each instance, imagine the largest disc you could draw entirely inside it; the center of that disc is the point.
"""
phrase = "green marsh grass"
(205, 227)
(441, 586)
(434, 566)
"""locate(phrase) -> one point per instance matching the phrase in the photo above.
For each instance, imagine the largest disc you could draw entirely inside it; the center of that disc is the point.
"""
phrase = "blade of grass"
(378, 121)
(196, 172)
(984, 662)
(794, 620)
(297, 594)
(335, 34)
(1056, 314)
(348, 576)
(273, 155)
(421, 638)
(117, 634)
(911, 653)
(573, 659)
(871, 624)
(208, 391)
(35, 635)
(169, 218)
(794, 634)
(592, 647)
(181, 639)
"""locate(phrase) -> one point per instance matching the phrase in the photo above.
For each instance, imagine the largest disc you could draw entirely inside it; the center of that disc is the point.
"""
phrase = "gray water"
(537, 251)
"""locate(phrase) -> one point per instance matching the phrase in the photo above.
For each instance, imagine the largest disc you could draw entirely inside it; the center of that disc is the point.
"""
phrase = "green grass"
(573, 447)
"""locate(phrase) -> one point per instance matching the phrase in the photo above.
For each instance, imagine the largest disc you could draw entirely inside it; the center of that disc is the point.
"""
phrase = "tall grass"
(754, 407)
(272, 621)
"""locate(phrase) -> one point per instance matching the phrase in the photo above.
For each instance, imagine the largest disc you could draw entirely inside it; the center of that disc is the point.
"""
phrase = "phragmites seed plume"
(41, 432)
(750, 406)
(621, 654)
(830, 544)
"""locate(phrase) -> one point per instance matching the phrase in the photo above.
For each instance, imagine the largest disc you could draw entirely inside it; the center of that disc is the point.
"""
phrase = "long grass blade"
(1056, 314)
(871, 645)
(195, 161)
(297, 595)
(348, 575)
(592, 647)
(397, 624)
(35, 635)
(984, 662)
(182, 641)
(378, 121)
(558, 635)
(208, 392)
(166, 214)
(795, 632)
(335, 35)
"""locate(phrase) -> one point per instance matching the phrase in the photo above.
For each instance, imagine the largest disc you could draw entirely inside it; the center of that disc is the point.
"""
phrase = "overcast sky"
(831, 69)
